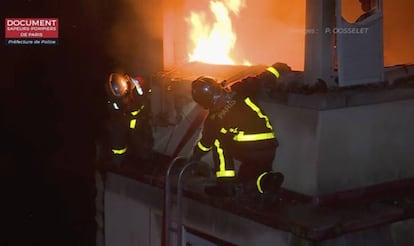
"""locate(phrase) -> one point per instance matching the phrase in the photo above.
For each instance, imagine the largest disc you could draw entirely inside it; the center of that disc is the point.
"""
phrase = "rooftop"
(311, 217)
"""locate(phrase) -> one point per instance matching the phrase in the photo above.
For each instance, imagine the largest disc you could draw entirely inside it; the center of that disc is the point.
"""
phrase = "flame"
(213, 42)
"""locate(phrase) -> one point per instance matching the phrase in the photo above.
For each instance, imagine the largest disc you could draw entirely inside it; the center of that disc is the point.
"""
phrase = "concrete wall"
(328, 142)
(297, 154)
(319, 52)
(325, 151)
(133, 215)
(365, 145)
(132, 212)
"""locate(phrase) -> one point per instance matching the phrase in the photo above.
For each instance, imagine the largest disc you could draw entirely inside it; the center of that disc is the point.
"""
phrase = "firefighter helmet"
(119, 84)
(205, 91)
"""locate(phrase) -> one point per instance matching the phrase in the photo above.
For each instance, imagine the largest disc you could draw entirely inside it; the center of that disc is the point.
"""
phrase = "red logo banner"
(31, 28)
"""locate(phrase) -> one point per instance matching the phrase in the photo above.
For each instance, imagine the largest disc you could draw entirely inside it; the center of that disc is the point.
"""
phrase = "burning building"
(343, 115)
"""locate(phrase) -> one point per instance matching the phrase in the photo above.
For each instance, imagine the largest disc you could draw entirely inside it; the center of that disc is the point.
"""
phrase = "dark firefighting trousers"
(256, 159)
(130, 144)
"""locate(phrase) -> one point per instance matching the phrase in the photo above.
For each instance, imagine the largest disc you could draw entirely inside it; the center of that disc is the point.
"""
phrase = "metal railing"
(167, 220)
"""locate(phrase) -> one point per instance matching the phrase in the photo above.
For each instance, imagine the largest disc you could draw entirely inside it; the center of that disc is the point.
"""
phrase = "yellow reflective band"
(225, 173)
(139, 90)
(119, 151)
(232, 130)
(259, 186)
(136, 112)
(222, 163)
(202, 147)
(273, 71)
(241, 137)
(132, 123)
(137, 86)
(259, 113)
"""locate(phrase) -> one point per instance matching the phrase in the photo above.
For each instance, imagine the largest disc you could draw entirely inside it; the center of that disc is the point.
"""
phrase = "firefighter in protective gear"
(236, 128)
(129, 128)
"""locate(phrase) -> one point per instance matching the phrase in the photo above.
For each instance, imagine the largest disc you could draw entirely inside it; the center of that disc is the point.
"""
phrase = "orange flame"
(213, 42)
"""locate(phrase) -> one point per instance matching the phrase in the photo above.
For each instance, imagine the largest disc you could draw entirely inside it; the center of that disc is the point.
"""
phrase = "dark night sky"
(52, 105)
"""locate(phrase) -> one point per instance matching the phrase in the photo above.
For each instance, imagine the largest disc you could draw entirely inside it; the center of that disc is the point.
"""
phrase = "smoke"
(268, 31)
(272, 31)
(398, 32)
(135, 40)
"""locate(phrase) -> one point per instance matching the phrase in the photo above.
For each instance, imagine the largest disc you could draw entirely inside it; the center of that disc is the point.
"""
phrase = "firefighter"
(236, 128)
(129, 128)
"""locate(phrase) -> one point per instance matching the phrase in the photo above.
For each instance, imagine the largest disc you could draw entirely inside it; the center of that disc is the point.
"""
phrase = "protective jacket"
(129, 124)
(240, 130)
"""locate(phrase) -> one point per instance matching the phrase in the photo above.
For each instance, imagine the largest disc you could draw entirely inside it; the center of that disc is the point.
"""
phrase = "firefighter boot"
(224, 187)
(117, 161)
(270, 184)
(202, 170)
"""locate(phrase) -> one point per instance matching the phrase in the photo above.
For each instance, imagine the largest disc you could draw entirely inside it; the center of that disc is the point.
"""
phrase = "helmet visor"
(118, 84)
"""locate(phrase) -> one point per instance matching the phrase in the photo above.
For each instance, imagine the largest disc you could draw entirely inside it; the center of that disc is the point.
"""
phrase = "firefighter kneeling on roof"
(236, 128)
(129, 129)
